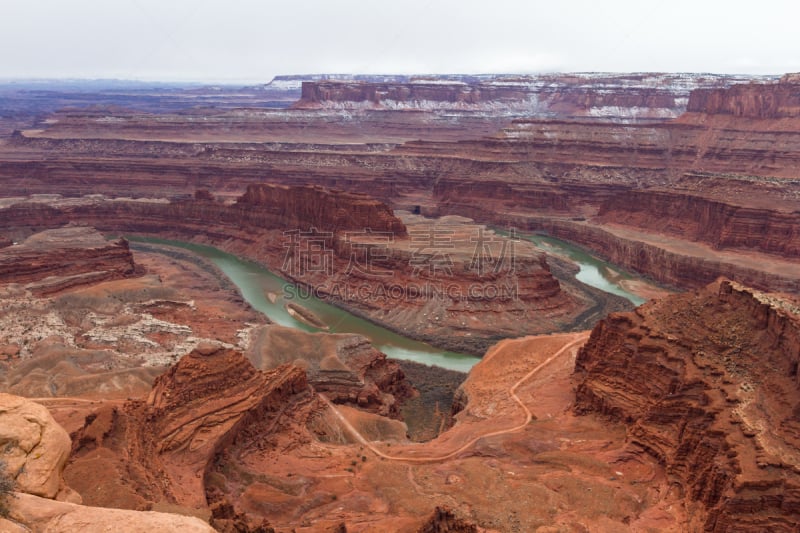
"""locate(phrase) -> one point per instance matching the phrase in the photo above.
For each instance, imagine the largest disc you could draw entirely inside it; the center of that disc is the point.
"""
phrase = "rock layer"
(779, 100)
(707, 384)
(56, 259)
(162, 448)
(317, 207)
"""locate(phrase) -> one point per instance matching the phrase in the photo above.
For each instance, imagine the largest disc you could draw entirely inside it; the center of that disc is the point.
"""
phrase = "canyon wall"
(717, 223)
(707, 384)
(620, 97)
(671, 266)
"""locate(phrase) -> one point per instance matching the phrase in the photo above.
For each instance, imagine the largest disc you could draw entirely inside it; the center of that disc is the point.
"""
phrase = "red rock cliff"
(707, 383)
(776, 100)
(318, 92)
(321, 208)
(163, 447)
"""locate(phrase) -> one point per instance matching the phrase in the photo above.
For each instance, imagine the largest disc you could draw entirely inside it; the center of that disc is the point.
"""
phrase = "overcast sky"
(254, 40)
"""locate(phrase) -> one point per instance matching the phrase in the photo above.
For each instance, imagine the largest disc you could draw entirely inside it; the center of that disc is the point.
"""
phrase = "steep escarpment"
(707, 384)
(668, 259)
(416, 93)
(53, 260)
(694, 218)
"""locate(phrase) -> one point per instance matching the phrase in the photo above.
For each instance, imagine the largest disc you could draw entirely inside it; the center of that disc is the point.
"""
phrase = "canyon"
(171, 401)
(702, 165)
(422, 280)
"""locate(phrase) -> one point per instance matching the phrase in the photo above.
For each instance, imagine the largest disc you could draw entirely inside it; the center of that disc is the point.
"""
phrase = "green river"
(265, 292)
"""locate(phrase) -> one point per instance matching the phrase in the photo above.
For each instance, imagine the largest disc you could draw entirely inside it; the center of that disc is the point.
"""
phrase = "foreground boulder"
(33, 446)
(41, 514)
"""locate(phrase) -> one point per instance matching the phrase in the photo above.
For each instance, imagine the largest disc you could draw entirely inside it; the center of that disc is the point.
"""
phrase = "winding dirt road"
(511, 391)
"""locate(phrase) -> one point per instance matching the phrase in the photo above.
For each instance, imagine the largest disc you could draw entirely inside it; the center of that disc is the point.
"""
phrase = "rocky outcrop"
(345, 367)
(161, 449)
(309, 207)
(188, 429)
(53, 260)
(707, 384)
(32, 513)
(757, 101)
(34, 447)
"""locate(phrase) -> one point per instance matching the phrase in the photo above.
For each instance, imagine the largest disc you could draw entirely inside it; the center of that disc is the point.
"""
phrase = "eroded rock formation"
(346, 368)
(53, 260)
(707, 384)
(317, 207)
(160, 450)
(35, 450)
(31, 513)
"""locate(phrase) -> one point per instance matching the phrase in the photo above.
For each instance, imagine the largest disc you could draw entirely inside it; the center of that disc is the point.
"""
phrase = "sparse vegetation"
(6, 488)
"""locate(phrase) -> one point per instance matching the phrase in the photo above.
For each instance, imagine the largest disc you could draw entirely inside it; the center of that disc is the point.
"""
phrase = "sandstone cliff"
(707, 384)
(623, 97)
